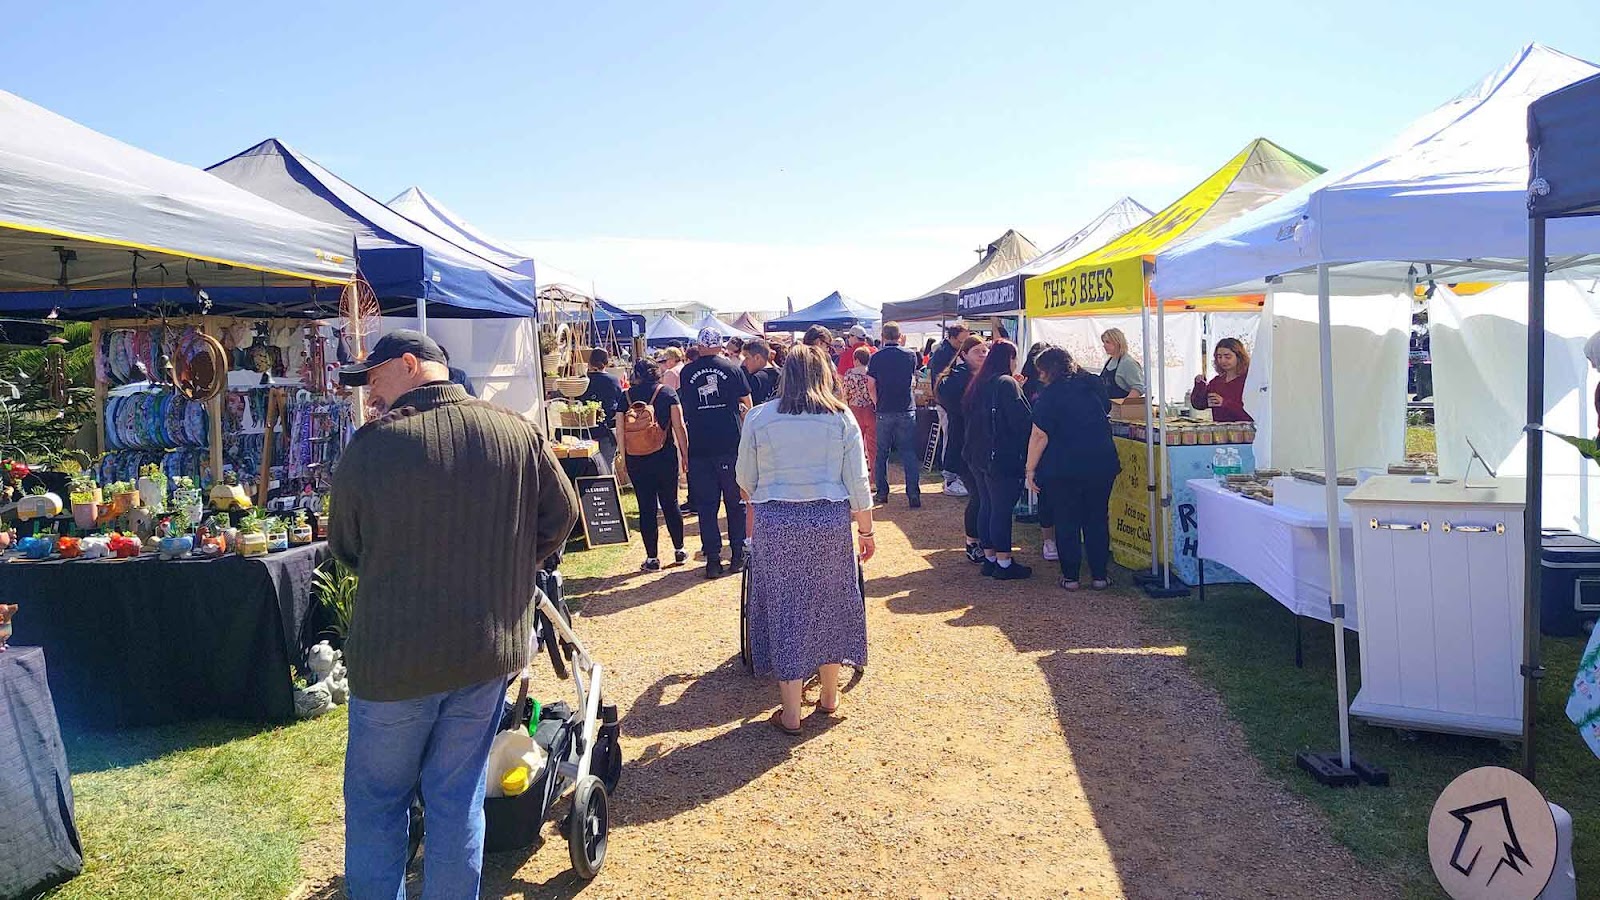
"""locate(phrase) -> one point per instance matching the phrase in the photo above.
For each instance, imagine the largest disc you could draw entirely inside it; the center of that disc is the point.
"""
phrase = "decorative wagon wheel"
(201, 372)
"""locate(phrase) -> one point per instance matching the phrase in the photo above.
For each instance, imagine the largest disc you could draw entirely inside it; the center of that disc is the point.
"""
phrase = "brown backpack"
(642, 435)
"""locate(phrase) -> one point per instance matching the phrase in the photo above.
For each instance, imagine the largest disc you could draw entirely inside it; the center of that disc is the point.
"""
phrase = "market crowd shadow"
(90, 750)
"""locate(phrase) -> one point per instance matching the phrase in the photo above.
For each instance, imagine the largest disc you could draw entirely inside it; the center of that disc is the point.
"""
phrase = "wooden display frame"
(211, 325)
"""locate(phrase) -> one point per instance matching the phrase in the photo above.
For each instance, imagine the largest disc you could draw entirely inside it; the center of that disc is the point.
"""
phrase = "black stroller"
(582, 744)
(856, 671)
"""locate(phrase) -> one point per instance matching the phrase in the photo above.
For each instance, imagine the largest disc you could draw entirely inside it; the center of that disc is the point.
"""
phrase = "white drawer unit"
(1439, 576)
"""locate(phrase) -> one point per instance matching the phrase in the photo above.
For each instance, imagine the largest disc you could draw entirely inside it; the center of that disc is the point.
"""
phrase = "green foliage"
(335, 584)
(36, 424)
(1585, 446)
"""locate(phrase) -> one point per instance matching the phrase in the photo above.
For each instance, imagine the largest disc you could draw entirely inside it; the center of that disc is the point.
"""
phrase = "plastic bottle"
(1219, 465)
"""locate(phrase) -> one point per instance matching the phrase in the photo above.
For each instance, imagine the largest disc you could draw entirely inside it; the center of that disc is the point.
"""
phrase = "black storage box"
(1570, 587)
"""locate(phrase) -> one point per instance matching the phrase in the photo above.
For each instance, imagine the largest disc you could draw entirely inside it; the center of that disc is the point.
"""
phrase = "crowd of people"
(788, 446)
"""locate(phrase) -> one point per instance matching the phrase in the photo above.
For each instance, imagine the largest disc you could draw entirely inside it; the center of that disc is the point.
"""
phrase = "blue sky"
(743, 152)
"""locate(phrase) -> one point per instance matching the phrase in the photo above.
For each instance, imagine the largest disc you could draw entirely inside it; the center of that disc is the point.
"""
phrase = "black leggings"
(997, 501)
(971, 515)
(1083, 523)
(655, 484)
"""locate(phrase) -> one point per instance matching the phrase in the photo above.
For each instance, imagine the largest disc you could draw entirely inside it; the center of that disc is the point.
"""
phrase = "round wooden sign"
(1492, 837)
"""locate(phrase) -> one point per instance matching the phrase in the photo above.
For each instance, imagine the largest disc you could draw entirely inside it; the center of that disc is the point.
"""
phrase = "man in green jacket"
(446, 507)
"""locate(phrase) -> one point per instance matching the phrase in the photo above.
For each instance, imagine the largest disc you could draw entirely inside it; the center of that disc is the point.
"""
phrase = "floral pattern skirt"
(806, 608)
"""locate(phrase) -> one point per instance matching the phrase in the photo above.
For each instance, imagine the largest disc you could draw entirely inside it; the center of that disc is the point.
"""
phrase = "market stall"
(1115, 279)
(1001, 294)
(1006, 253)
(1564, 185)
(835, 311)
(669, 330)
(167, 260)
(1442, 203)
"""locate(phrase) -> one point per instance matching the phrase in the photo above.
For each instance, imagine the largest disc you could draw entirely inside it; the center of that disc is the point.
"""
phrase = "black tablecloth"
(38, 837)
(145, 642)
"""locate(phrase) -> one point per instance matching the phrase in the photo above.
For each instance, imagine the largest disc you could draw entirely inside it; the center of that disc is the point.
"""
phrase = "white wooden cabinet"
(1439, 592)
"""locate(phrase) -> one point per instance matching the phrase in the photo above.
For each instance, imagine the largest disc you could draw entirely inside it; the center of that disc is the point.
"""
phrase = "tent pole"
(1532, 536)
(422, 314)
(1330, 470)
(1149, 438)
(1164, 508)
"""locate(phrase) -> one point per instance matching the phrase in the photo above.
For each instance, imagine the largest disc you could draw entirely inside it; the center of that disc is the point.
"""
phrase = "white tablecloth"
(1282, 551)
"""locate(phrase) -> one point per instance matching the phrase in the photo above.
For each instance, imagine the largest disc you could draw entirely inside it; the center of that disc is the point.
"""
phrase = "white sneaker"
(954, 488)
(1049, 551)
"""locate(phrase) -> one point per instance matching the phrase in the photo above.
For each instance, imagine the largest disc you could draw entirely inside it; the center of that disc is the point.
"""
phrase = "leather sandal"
(777, 722)
(1071, 586)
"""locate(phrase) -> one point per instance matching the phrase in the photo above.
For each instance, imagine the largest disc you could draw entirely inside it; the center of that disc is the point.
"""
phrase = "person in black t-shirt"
(605, 389)
(655, 475)
(715, 395)
(760, 372)
(889, 377)
(1071, 455)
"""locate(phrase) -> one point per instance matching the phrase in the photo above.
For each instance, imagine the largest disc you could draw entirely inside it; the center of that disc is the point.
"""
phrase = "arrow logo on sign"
(1494, 818)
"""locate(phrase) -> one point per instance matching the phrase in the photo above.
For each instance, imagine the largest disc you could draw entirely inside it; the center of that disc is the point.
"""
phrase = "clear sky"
(742, 152)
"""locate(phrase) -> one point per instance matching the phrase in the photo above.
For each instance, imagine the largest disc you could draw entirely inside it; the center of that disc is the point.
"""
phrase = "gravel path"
(1008, 740)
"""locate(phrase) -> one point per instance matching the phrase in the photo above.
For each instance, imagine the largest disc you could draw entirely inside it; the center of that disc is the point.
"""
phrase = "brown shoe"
(777, 722)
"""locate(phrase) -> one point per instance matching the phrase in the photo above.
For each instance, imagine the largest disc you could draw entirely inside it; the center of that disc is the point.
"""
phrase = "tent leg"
(422, 316)
(1149, 445)
(1532, 667)
(1327, 768)
(1160, 535)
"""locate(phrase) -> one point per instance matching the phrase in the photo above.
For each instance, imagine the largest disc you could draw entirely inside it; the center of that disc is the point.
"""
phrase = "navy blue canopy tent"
(1564, 140)
(834, 311)
(607, 318)
(405, 263)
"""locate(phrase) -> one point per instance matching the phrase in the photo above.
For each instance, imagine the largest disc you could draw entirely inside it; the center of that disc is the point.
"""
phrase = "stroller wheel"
(587, 826)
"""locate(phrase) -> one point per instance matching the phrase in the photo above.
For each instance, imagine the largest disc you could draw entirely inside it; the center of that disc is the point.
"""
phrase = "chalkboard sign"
(601, 501)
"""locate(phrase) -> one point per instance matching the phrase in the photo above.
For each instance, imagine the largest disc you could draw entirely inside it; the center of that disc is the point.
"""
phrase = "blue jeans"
(897, 430)
(443, 741)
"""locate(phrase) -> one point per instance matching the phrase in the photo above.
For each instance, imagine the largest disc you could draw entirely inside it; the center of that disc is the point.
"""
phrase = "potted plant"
(85, 497)
(212, 537)
(39, 546)
(335, 584)
(227, 494)
(123, 546)
(277, 534)
(68, 547)
(252, 536)
(550, 352)
(300, 534)
(124, 497)
(177, 542)
(153, 487)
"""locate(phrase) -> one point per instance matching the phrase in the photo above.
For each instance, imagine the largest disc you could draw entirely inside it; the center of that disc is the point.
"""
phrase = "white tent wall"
(500, 357)
(1370, 346)
(1479, 346)
(1080, 336)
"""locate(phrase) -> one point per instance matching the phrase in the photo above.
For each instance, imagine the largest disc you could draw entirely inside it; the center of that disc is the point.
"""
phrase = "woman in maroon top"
(1224, 394)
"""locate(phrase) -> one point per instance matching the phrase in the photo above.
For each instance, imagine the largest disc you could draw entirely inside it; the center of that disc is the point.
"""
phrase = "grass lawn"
(1242, 643)
(202, 810)
(1421, 439)
(224, 809)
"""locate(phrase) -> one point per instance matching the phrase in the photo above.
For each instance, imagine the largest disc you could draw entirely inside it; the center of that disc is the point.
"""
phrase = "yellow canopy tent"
(1116, 278)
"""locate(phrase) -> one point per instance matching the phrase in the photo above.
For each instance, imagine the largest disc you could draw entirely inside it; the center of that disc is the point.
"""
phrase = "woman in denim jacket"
(803, 468)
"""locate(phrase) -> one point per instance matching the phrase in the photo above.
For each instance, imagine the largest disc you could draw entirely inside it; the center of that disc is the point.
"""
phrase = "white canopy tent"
(67, 189)
(1446, 201)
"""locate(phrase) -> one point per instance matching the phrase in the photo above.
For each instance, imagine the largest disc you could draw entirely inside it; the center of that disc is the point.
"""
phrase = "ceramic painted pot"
(69, 547)
(153, 491)
(95, 546)
(84, 515)
(300, 535)
(176, 547)
(278, 540)
(123, 546)
(37, 547)
(252, 543)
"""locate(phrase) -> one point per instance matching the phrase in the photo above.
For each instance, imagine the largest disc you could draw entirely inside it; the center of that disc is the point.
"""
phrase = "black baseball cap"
(393, 345)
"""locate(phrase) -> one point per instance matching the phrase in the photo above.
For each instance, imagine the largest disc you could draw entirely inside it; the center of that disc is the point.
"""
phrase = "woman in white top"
(803, 468)
(671, 362)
